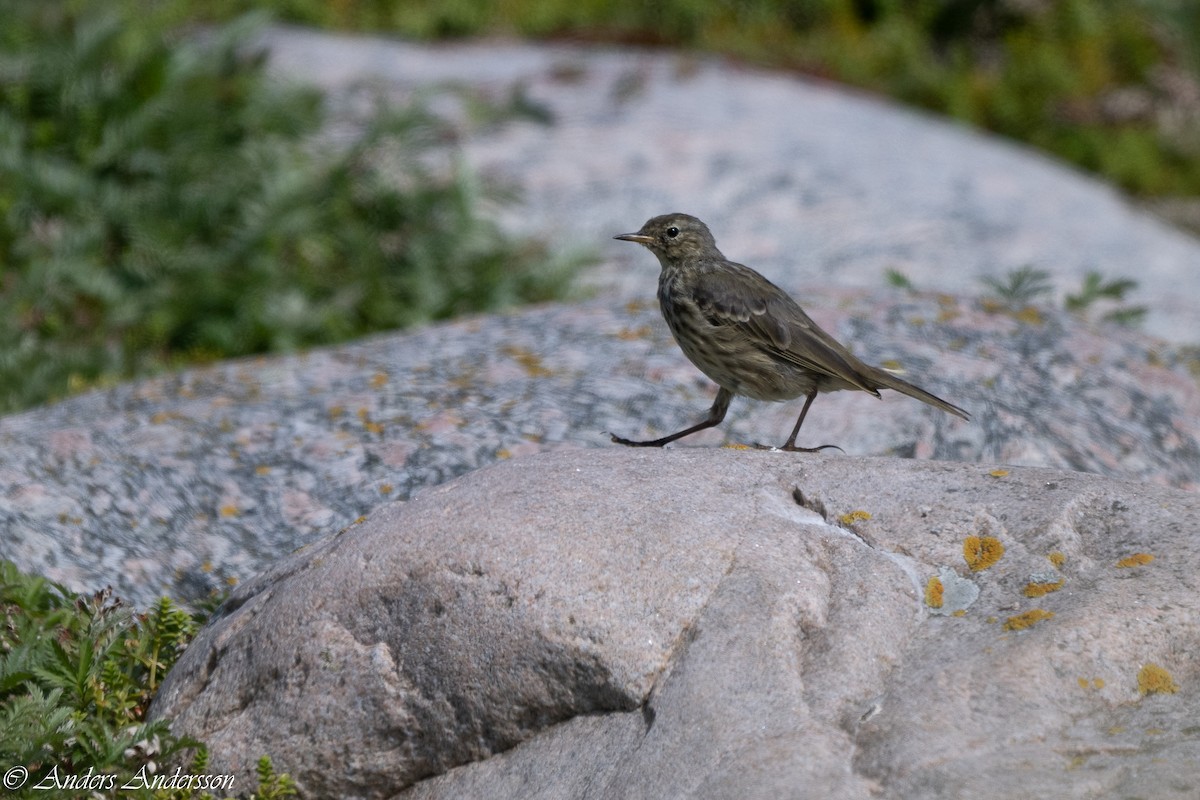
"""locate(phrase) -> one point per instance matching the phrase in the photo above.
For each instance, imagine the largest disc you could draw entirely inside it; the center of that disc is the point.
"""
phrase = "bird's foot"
(791, 448)
(630, 443)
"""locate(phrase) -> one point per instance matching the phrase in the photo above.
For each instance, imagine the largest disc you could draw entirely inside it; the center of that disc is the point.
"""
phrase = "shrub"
(163, 201)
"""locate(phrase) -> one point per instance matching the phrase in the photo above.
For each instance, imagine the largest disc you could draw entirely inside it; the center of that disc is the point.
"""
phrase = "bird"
(747, 335)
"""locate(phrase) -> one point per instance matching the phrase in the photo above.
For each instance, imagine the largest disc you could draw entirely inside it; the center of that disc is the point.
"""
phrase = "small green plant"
(1097, 290)
(1020, 287)
(77, 675)
(898, 280)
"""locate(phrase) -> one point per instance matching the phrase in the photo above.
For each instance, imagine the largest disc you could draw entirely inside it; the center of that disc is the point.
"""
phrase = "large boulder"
(721, 623)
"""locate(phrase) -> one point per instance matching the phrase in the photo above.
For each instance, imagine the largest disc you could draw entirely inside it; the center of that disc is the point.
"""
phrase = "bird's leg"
(790, 445)
(715, 415)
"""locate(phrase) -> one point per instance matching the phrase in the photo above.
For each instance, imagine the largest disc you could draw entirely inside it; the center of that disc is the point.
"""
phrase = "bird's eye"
(672, 231)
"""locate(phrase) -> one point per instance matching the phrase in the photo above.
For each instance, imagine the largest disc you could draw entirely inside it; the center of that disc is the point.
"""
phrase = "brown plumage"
(747, 334)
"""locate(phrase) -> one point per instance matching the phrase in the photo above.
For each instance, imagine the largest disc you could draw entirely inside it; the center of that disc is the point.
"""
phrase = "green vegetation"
(77, 674)
(1098, 298)
(1019, 287)
(162, 202)
(1105, 84)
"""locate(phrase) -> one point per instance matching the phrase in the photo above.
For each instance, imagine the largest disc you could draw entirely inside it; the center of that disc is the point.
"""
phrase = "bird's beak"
(640, 238)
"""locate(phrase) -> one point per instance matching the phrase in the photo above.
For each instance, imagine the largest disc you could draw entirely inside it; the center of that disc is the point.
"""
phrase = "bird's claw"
(791, 448)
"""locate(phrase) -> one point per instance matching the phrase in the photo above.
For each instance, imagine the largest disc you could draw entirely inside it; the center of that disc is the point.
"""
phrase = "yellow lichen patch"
(262, 469)
(1036, 589)
(386, 489)
(1115, 729)
(1153, 679)
(229, 510)
(372, 427)
(1027, 620)
(1135, 560)
(531, 362)
(736, 446)
(631, 334)
(1094, 683)
(503, 453)
(231, 580)
(962, 612)
(854, 516)
(1057, 559)
(379, 380)
(336, 411)
(1030, 315)
(981, 552)
(998, 473)
(934, 592)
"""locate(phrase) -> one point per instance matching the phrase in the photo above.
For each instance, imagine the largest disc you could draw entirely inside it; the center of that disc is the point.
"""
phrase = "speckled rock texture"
(193, 481)
(189, 482)
(717, 623)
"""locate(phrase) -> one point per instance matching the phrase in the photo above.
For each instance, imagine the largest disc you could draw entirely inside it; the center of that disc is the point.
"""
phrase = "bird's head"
(674, 237)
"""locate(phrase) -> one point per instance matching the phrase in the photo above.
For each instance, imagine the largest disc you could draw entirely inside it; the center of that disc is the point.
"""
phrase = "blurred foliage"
(162, 201)
(1109, 85)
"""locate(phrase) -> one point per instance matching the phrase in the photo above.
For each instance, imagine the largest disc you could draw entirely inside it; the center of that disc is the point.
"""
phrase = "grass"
(77, 676)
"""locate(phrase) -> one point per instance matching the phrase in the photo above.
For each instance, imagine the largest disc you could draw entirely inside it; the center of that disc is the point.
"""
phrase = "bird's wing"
(737, 295)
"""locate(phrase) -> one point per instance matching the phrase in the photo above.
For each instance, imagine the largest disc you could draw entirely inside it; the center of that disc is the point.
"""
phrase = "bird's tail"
(886, 380)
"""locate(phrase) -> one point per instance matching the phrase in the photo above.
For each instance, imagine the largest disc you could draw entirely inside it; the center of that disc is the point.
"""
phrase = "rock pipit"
(747, 334)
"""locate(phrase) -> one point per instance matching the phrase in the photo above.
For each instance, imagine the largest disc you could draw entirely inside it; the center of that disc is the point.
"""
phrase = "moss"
(1153, 679)
(981, 552)
(934, 592)
(1135, 560)
(1027, 620)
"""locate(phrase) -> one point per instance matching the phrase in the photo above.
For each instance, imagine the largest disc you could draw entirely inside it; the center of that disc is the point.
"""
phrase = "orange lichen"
(934, 592)
(531, 362)
(1036, 589)
(229, 510)
(1057, 559)
(1153, 679)
(629, 334)
(379, 380)
(853, 517)
(981, 552)
(1135, 560)
(1027, 620)
(998, 473)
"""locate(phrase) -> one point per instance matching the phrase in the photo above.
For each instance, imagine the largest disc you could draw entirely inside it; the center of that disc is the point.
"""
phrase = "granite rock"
(720, 623)
(193, 481)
